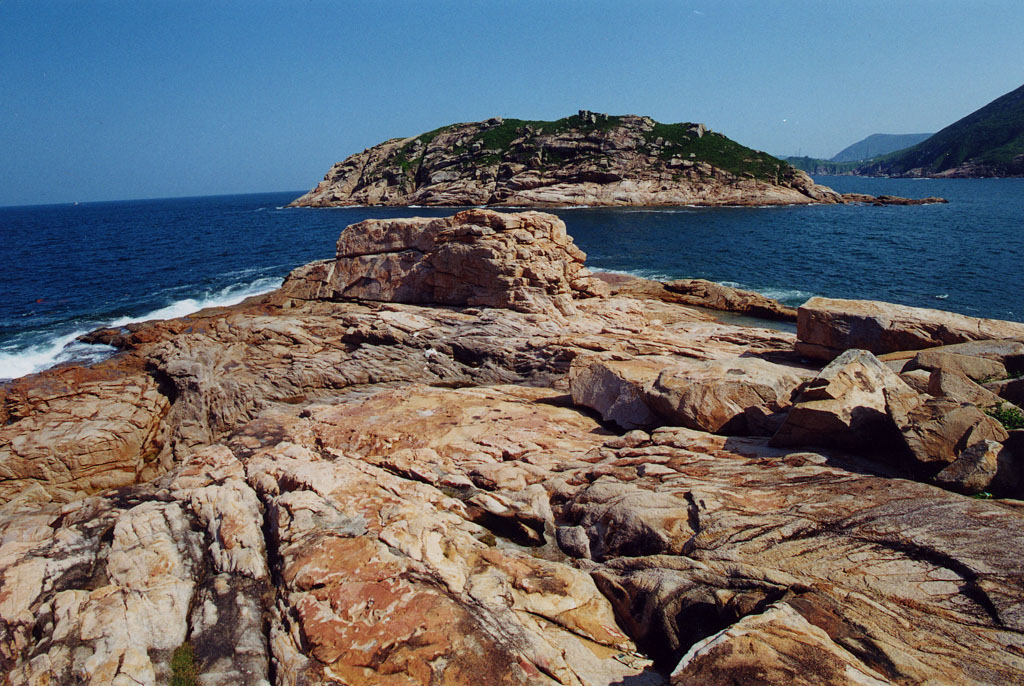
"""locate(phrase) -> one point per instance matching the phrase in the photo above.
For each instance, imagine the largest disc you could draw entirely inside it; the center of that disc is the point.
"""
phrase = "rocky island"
(586, 159)
(451, 453)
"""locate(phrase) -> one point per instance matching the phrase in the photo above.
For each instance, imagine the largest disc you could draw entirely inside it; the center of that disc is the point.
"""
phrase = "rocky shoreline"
(452, 451)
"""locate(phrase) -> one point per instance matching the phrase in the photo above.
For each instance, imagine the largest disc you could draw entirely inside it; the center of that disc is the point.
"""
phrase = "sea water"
(69, 269)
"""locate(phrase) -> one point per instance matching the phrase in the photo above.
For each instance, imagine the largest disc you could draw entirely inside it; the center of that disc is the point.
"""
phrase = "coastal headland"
(451, 451)
(586, 159)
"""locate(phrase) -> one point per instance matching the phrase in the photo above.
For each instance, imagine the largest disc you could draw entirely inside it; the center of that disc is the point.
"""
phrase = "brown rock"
(985, 466)
(918, 379)
(1008, 389)
(864, 198)
(878, 565)
(740, 396)
(617, 389)
(851, 403)
(387, 494)
(76, 431)
(976, 368)
(939, 429)
(943, 383)
(826, 327)
(718, 297)
(523, 261)
(777, 646)
(108, 588)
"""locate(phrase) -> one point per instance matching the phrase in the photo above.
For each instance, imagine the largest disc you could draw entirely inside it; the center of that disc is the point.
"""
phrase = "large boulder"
(985, 466)
(523, 261)
(827, 326)
(1008, 389)
(779, 646)
(717, 296)
(954, 385)
(741, 396)
(615, 388)
(73, 431)
(976, 368)
(939, 429)
(851, 403)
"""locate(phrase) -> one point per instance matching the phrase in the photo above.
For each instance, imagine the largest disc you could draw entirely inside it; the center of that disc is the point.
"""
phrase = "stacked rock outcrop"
(524, 262)
(341, 482)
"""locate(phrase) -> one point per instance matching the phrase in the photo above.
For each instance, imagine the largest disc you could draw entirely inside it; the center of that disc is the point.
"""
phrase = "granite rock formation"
(482, 258)
(537, 482)
(827, 326)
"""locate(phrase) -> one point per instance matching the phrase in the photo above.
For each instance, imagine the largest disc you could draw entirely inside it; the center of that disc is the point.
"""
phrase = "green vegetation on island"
(520, 140)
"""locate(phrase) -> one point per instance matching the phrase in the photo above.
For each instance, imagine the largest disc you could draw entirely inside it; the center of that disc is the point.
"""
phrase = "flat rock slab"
(827, 326)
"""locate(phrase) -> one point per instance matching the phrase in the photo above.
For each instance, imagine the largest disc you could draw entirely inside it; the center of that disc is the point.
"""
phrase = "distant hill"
(878, 144)
(987, 142)
(584, 159)
(818, 167)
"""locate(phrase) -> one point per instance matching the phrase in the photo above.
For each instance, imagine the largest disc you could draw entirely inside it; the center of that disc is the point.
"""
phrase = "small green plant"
(1010, 417)
(183, 666)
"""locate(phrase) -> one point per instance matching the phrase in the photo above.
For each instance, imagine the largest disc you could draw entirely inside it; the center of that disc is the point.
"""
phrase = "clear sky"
(114, 100)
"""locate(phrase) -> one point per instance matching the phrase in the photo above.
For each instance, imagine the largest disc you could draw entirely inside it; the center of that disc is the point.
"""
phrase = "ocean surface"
(71, 268)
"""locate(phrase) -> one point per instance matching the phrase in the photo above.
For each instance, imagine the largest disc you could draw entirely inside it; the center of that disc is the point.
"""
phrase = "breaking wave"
(53, 348)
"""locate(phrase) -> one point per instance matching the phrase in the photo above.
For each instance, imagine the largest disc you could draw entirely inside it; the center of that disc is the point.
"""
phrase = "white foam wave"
(642, 273)
(231, 295)
(60, 348)
(35, 358)
(791, 295)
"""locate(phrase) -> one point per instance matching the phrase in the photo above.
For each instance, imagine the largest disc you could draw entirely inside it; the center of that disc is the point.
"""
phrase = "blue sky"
(114, 100)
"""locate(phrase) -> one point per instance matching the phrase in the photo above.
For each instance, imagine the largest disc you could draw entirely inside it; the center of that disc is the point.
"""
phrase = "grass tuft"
(1010, 417)
(184, 671)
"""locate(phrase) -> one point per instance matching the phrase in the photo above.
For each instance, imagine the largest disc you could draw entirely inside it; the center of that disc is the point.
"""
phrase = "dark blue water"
(71, 268)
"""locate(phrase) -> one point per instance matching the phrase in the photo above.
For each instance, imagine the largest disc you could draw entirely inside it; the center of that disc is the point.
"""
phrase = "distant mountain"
(878, 144)
(988, 142)
(818, 167)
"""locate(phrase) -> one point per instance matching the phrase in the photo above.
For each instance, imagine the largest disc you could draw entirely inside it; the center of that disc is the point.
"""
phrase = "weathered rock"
(523, 261)
(826, 327)
(105, 590)
(985, 466)
(918, 379)
(939, 429)
(944, 383)
(396, 494)
(616, 388)
(1008, 352)
(718, 297)
(880, 566)
(389, 581)
(976, 368)
(778, 646)
(76, 431)
(864, 198)
(1008, 389)
(740, 396)
(852, 403)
